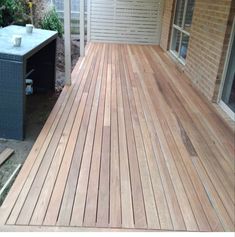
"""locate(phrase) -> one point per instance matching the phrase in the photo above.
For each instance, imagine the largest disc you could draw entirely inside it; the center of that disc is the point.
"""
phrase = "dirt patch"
(60, 60)
(38, 108)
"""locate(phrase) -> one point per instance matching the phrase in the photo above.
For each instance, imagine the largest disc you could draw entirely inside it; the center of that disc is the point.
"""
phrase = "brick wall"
(167, 23)
(208, 44)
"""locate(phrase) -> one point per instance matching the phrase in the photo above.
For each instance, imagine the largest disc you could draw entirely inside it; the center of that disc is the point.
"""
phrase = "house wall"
(209, 37)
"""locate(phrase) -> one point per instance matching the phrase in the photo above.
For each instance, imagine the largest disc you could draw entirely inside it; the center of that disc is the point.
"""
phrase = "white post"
(82, 28)
(67, 40)
(88, 20)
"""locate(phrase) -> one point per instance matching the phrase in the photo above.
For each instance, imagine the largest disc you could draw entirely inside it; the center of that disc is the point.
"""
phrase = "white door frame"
(67, 36)
(67, 41)
(230, 113)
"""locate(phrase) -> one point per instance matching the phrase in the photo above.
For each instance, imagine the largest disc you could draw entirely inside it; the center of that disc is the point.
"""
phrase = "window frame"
(181, 30)
(221, 103)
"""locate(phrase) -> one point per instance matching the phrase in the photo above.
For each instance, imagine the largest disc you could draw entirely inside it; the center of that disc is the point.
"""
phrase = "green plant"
(51, 21)
(13, 12)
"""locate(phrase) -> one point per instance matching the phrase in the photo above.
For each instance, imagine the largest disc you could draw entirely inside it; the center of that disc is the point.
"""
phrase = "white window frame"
(225, 107)
(181, 30)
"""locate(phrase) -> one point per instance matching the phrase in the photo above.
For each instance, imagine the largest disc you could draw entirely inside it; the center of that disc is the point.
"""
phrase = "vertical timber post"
(67, 40)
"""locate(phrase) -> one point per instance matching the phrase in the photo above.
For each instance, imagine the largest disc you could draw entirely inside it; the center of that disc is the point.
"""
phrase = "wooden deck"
(130, 145)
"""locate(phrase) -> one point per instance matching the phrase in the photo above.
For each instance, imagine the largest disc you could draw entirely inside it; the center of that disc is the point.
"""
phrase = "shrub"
(13, 12)
(51, 21)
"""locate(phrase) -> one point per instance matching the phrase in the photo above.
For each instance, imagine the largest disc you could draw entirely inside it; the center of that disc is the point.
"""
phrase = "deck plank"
(206, 159)
(143, 153)
(115, 185)
(51, 214)
(83, 146)
(126, 195)
(148, 105)
(104, 179)
(136, 185)
(161, 203)
(83, 179)
(129, 145)
(93, 186)
(185, 178)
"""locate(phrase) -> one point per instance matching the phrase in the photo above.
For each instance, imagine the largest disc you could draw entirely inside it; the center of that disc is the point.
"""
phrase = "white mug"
(16, 40)
(29, 28)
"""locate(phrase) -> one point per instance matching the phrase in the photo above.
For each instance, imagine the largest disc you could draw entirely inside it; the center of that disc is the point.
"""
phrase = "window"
(181, 28)
(227, 94)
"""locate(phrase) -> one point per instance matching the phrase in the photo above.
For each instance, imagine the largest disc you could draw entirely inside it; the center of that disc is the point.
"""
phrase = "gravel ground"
(38, 109)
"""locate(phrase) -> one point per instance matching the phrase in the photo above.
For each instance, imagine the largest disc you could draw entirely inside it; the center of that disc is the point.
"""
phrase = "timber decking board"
(4, 155)
(129, 145)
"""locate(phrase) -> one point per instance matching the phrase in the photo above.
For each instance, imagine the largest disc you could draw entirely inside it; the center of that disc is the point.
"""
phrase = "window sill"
(175, 57)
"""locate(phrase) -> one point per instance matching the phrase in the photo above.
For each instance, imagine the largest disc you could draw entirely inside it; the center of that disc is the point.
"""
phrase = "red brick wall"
(209, 38)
